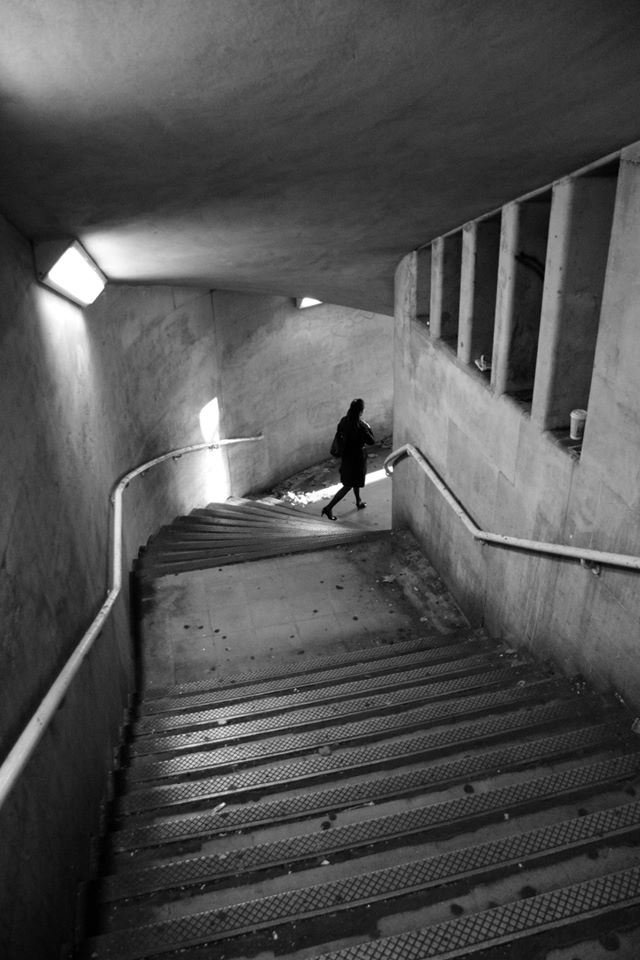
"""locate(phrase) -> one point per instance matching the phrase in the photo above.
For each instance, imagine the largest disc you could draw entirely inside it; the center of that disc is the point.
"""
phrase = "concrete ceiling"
(298, 146)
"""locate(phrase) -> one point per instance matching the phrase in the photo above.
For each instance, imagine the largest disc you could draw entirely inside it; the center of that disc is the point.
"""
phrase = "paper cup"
(577, 418)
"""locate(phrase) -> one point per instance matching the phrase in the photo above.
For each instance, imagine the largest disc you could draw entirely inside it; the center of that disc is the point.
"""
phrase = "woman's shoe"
(327, 513)
(361, 505)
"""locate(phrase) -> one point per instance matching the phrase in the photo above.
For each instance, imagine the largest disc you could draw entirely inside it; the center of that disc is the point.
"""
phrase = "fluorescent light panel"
(307, 302)
(76, 276)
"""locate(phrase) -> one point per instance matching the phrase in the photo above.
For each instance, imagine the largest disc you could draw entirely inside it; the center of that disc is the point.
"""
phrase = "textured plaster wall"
(513, 479)
(84, 396)
(291, 374)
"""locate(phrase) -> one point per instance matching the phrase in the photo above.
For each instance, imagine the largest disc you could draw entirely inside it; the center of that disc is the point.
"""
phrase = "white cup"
(577, 418)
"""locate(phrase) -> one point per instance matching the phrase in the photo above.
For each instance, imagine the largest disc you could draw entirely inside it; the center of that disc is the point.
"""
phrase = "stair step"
(350, 804)
(217, 546)
(328, 721)
(334, 897)
(224, 818)
(159, 567)
(327, 729)
(313, 670)
(333, 763)
(177, 539)
(195, 528)
(577, 903)
(432, 820)
(418, 675)
(270, 510)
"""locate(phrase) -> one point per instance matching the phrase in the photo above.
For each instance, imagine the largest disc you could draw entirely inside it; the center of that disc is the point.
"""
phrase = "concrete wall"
(85, 396)
(516, 479)
(292, 374)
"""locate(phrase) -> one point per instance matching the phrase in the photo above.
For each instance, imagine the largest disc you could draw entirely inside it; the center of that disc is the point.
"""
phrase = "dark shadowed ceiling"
(298, 146)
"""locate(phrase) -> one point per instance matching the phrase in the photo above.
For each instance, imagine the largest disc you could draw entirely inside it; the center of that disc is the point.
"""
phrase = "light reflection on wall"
(214, 462)
(69, 361)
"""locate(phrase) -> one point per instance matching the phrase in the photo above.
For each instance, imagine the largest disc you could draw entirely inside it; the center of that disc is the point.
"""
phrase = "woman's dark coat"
(353, 466)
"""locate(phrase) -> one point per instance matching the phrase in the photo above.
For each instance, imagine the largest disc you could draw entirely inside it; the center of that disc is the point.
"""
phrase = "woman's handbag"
(338, 445)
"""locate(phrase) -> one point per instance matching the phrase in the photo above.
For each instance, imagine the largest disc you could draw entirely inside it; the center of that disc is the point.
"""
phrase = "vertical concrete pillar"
(437, 263)
(446, 255)
(478, 280)
(612, 432)
(423, 286)
(405, 312)
(579, 233)
(451, 264)
(523, 248)
(467, 290)
(505, 294)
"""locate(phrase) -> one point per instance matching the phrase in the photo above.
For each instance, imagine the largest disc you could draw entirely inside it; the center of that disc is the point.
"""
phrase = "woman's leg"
(359, 503)
(327, 511)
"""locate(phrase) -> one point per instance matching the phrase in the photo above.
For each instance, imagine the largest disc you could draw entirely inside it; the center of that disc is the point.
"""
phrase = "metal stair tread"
(305, 847)
(347, 689)
(294, 806)
(333, 763)
(479, 931)
(298, 670)
(330, 718)
(234, 750)
(374, 886)
(476, 932)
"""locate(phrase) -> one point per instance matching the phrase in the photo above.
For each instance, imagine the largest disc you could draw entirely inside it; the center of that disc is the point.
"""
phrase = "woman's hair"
(355, 409)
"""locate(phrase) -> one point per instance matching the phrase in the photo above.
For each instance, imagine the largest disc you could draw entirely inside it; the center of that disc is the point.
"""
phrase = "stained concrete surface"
(240, 617)
(236, 618)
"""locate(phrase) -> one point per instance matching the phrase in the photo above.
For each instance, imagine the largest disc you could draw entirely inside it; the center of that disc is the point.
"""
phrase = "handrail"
(590, 557)
(24, 746)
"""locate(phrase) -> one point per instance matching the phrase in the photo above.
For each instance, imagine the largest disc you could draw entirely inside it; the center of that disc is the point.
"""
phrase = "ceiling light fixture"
(64, 266)
(307, 302)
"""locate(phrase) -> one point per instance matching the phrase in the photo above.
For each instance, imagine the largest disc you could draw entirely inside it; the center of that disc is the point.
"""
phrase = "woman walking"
(355, 434)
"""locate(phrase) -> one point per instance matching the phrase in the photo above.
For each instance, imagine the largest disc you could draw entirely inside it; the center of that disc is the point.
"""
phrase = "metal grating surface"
(366, 701)
(303, 669)
(264, 750)
(336, 684)
(351, 794)
(478, 931)
(344, 894)
(321, 844)
(321, 765)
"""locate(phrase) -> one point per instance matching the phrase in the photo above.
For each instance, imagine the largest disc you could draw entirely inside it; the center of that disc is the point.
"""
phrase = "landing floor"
(233, 619)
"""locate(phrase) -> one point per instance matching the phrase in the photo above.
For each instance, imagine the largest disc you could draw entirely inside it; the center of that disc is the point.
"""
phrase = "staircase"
(437, 797)
(239, 530)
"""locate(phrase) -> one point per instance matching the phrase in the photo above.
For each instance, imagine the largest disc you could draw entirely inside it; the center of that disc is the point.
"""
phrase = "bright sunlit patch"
(312, 496)
(215, 478)
(76, 276)
(307, 302)
(210, 421)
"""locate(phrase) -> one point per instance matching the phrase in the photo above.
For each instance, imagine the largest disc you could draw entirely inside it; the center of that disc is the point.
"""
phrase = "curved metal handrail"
(24, 746)
(589, 557)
